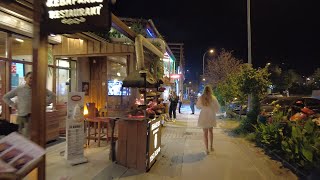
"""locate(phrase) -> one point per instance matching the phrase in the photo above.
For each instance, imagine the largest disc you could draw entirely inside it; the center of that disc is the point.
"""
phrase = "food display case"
(139, 131)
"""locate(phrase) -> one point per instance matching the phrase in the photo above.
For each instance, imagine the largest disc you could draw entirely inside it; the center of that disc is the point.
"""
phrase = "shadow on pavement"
(189, 158)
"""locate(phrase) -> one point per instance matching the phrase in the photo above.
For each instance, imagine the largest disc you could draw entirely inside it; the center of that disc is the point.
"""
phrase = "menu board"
(17, 154)
(75, 130)
(154, 140)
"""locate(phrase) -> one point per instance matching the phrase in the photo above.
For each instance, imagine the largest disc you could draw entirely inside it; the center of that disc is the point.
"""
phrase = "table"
(96, 121)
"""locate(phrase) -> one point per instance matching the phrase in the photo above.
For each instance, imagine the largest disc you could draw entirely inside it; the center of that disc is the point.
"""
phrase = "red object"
(298, 117)
(307, 111)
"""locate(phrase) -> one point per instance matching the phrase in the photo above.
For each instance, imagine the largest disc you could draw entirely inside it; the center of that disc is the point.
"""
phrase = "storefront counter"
(139, 142)
(53, 119)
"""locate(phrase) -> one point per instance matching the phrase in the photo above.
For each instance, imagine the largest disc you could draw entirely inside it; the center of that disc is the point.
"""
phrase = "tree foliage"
(316, 75)
(253, 81)
(220, 67)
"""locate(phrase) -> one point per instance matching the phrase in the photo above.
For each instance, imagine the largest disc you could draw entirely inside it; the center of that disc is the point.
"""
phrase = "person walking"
(23, 104)
(192, 98)
(180, 100)
(207, 119)
(173, 98)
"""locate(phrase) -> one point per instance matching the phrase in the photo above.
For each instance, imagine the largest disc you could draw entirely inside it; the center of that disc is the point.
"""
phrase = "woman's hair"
(207, 96)
(173, 93)
(27, 74)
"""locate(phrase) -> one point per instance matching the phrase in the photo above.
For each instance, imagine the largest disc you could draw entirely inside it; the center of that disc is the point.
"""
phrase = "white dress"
(207, 117)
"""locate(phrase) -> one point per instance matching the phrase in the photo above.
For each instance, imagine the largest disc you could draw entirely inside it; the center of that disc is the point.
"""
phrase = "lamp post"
(210, 51)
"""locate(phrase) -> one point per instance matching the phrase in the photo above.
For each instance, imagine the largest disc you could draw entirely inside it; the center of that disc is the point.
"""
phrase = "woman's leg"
(174, 112)
(211, 138)
(170, 112)
(205, 138)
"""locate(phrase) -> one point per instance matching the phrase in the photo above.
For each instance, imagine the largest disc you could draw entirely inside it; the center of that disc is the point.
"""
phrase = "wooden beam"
(122, 27)
(40, 66)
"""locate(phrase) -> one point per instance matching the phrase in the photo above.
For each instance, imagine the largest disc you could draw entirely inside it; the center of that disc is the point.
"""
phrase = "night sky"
(283, 31)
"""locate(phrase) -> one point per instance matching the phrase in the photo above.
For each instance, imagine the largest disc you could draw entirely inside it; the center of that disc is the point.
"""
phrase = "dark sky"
(283, 31)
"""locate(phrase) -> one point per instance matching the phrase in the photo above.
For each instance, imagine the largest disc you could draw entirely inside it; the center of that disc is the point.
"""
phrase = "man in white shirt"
(23, 104)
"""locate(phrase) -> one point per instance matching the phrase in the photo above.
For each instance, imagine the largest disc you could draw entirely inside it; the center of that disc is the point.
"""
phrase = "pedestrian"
(23, 104)
(173, 98)
(192, 98)
(180, 100)
(207, 119)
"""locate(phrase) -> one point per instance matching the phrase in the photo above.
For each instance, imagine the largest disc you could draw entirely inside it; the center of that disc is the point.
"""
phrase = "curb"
(292, 167)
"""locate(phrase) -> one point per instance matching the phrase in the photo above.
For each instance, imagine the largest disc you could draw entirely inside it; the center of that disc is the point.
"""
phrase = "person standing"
(23, 104)
(207, 119)
(173, 105)
(192, 98)
(180, 100)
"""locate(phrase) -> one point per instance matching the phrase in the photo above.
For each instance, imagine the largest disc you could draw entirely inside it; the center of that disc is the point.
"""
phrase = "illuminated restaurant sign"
(71, 16)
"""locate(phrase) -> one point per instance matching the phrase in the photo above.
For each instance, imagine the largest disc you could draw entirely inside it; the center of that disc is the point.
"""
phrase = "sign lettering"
(70, 16)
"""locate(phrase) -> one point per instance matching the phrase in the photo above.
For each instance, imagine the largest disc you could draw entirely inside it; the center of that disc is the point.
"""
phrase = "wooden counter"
(139, 141)
(53, 121)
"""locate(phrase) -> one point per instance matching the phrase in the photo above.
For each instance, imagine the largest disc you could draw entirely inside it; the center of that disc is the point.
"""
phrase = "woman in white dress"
(207, 119)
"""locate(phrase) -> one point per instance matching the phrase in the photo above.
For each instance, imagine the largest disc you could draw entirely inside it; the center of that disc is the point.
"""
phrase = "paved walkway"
(183, 157)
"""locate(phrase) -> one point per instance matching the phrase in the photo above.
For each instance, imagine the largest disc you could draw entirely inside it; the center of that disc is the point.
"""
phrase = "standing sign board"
(154, 140)
(75, 129)
(71, 16)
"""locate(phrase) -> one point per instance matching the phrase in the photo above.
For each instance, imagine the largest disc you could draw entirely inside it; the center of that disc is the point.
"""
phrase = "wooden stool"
(98, 122)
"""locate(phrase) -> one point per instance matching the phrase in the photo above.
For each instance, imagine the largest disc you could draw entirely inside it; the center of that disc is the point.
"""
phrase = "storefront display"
(139, 141)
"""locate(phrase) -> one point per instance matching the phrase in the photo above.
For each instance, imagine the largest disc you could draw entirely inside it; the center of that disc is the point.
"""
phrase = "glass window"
(2, 86)
(17, 74)
(62, 86)
(21, 48)
(3, 44)
(117, 68)
(73, 78)
(117, 71)
(50, 55)
(50, 79)
(63, 63)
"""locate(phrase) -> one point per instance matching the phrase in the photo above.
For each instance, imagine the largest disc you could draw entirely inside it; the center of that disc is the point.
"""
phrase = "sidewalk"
(182, 158)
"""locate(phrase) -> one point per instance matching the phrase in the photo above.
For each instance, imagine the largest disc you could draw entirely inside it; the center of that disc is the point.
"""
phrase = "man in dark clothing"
(192, 98)
(173, 98)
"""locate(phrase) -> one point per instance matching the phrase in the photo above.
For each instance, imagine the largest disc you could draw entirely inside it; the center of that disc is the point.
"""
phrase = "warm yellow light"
(19, 40)
(211, 51)
(85, 110)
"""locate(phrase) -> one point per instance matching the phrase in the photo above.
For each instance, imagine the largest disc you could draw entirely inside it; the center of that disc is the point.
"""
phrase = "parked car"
(268, 100)
(275, 95)
(291, 105)
(238, 107)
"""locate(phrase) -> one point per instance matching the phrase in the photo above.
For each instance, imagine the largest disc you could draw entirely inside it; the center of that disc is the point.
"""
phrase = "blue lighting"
(149, 32)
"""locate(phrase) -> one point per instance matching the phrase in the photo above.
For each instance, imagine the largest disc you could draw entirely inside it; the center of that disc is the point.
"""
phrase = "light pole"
(204, 55)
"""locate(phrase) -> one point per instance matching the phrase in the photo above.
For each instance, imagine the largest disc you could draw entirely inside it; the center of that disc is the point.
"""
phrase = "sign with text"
(71, 16)
(154, 140)
(75, 129)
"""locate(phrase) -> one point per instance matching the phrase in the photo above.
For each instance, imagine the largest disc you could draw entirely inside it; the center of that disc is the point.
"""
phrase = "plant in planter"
(302, 145)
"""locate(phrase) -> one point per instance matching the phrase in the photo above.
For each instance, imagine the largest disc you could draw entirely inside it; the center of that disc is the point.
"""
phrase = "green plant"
(248, 124)
(138, 27)
(301, 146)
(269, 135)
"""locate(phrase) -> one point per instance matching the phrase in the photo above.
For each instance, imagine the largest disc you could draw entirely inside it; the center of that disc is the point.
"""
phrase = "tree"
(289, 78)
(253, 81)
(316, 75)
(220, 67)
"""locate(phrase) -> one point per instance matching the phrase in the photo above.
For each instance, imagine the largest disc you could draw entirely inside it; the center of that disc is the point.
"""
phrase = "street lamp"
(210, 51)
